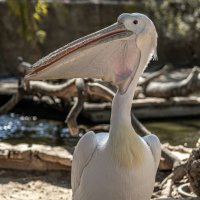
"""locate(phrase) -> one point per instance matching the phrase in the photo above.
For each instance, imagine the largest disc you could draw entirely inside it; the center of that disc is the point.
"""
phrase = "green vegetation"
(29, 15)
(173, 18)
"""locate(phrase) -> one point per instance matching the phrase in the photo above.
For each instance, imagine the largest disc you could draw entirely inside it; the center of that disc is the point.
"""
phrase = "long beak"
(53, 65)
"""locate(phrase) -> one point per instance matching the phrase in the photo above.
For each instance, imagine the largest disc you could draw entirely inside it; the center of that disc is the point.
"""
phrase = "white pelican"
(120, 165)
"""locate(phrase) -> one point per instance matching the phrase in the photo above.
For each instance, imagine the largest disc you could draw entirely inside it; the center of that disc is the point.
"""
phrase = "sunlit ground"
(34, 186)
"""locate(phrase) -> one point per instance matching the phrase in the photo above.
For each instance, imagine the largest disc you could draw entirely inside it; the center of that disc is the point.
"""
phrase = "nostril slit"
(135, 21)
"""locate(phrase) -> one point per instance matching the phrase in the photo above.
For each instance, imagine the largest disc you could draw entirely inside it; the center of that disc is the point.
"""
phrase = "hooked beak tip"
(29, 76)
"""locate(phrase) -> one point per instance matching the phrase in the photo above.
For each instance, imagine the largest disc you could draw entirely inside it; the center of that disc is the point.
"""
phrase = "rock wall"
(72, 21)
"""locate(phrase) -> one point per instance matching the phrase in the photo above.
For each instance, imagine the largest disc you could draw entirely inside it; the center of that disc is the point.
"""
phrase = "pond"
(176, 131)
(25, 129)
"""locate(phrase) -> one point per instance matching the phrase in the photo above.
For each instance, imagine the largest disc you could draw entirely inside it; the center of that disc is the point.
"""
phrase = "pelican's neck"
(121, 112)
(126, 146)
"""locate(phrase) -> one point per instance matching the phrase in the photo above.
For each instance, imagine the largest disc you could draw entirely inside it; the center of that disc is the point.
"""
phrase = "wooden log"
(149, 108)
(179, 88)
(34, 157)
(144, 108)
(145, 81)
(64, 90)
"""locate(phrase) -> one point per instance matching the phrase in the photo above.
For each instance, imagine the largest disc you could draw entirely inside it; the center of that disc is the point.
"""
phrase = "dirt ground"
(23, 185)
(17, 185)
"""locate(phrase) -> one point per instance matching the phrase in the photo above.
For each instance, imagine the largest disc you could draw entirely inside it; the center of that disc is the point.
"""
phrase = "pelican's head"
(142, 26)
(118, 53)
(145, 37)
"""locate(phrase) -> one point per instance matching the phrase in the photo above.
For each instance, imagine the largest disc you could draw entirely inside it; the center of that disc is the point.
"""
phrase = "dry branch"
(154, 75)
(172, 89)
(77, 107)
(100, 90)
(9, 105)
(67, 89)
(167, 191)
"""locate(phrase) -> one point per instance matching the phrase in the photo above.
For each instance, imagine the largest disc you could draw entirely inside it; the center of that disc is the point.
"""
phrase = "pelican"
(119, 165)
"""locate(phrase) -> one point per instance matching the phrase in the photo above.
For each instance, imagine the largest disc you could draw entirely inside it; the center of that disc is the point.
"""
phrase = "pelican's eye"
(135, 21)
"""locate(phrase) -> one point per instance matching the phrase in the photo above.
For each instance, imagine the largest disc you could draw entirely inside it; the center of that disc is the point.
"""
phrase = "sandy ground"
(16, 185)
(21, 185)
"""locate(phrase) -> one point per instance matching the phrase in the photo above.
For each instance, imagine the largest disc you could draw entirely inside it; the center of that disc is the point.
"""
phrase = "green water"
(182, 131)
(22, 129)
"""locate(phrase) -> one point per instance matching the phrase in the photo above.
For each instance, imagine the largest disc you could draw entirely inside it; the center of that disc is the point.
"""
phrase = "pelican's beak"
(84, 58)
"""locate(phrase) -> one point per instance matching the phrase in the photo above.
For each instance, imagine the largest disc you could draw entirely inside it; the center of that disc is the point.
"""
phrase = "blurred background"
(32, 29)
(167, 100)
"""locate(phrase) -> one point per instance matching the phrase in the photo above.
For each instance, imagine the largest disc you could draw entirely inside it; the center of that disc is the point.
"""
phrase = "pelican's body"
(104, 178)
(120, 165)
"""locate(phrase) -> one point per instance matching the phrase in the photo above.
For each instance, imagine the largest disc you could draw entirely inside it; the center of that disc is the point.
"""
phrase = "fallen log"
(148, 108)
(171, 89)
(34, 157)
